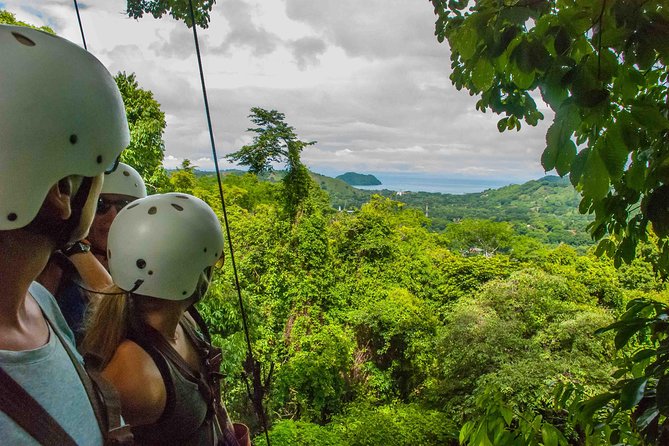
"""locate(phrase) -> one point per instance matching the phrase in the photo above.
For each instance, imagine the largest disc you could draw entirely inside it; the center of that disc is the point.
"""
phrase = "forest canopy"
(601, 66)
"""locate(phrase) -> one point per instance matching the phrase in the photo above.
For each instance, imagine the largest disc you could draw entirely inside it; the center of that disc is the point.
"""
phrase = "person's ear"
(59, 198)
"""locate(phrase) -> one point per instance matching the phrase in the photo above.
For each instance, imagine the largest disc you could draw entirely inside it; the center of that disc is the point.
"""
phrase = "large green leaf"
(662, 395)
(595, 177)
(614, 152)
(483, 74)
(648, 116)
(464, 41)
(632, 392)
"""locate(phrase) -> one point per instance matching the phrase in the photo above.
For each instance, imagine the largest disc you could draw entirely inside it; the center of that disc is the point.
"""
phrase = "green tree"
(601, 67)
(179, 9)
(9, 18)
(147, 124)
(183, 180)
(276, 141)
(479, 236)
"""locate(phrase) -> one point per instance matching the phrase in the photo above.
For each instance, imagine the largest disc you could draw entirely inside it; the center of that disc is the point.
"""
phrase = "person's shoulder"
(138, 382)
(50, 308)
(131, 361)
(43, 297)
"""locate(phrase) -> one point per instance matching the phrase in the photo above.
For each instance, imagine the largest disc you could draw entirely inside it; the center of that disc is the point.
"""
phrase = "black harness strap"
(21, 407)
(163, 368)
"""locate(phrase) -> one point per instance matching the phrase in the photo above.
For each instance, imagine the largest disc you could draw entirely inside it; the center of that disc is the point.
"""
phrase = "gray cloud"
(178, 43)
(306, 51)
(373, 28)
(376, 94)
(244, 32)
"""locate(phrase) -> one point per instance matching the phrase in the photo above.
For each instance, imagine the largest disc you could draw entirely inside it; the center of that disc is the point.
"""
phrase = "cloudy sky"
(367, 80)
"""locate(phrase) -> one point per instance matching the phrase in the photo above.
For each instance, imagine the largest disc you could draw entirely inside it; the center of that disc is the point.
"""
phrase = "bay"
(422, 182)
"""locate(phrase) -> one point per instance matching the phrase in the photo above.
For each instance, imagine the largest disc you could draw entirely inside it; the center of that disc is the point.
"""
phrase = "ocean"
(422, 182)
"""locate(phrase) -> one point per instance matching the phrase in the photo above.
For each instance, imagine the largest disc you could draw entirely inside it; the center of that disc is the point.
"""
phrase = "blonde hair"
(111, 316)
(107, 323)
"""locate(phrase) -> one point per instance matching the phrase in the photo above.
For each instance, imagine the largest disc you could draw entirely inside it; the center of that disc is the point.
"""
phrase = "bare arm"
(138, 382)
(93, 275)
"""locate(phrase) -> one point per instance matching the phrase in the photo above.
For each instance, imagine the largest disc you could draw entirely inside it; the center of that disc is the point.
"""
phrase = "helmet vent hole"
(216, 255)
(134, 205)
(99, 159)
(177, 207)
(150, 273)
(108, 254)
(182, 197)
(184, 292)
(126, 173)
(205, 249)
(153, 210)
(141, 263)
(23, 40)
(12, 216)
(73, 139)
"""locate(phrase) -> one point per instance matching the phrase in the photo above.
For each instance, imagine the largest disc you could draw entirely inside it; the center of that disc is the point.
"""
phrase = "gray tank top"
(187, 419)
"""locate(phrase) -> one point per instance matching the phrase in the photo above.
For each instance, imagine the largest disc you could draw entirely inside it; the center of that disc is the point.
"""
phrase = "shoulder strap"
(232, 435)
(201, 325)
(161, 363)
(102, 396)
(21, 407)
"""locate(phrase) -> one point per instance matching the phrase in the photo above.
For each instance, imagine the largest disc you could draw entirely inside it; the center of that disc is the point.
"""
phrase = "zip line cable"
(81, 28)
(250, 359)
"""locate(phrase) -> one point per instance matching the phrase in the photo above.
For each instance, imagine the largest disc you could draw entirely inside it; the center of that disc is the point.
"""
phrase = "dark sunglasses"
(104, 205)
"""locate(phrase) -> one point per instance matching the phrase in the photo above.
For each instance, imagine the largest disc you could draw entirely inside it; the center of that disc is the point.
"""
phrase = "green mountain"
(359, 179)
(546, 209)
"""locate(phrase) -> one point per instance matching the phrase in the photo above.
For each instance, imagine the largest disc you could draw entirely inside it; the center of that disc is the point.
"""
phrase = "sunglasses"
(104, 205)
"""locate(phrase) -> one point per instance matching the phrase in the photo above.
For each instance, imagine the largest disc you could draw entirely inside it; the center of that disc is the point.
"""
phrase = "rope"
(81, 28)
(261, 415)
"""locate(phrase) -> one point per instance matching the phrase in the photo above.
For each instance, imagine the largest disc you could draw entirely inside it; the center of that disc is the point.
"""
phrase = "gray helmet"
(125, 180)
(61, 114)
(159, 246)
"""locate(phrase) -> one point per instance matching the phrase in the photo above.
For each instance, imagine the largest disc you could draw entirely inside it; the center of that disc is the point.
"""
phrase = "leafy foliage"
(601, 67)
(179, 9)
(276, 141)
(147, 124)
(474, 236)
(642, 390)
(9, 18)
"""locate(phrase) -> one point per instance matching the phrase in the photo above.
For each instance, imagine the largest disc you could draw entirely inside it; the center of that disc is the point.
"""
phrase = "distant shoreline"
(411, 182)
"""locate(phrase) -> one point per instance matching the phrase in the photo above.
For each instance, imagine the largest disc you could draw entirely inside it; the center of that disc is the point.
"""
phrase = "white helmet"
(61, 114)
(159, 246)
(125, 180)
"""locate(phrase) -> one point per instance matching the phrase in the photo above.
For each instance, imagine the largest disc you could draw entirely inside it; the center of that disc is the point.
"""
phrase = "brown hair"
(107, 323)
(111, 316)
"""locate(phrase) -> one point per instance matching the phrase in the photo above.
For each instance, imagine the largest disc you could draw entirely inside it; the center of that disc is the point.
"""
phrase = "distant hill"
(546, 209)
(359, 179)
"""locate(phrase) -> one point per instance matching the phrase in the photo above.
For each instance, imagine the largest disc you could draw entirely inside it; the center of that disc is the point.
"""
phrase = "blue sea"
(422, 182)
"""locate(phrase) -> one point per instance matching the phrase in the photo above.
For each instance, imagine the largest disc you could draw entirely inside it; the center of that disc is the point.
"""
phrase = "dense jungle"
(375, 328)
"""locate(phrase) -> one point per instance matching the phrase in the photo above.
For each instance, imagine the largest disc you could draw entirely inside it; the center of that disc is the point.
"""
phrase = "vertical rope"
(81, 28)
(250, 358)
